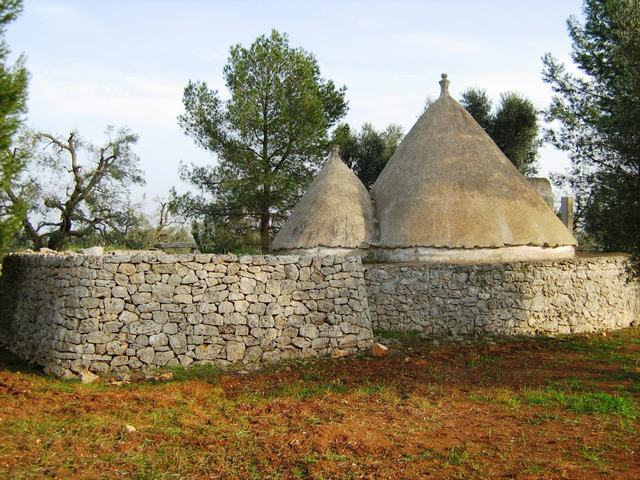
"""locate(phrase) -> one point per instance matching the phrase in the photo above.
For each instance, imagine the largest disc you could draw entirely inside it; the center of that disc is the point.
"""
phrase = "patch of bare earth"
(513, 408)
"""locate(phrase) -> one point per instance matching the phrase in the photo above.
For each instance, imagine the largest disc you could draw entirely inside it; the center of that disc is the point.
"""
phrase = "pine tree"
(13, 98)
(598, 112)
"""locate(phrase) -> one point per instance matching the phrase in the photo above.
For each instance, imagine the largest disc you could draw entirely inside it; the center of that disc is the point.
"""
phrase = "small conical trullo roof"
(448, 185)
(335, 212)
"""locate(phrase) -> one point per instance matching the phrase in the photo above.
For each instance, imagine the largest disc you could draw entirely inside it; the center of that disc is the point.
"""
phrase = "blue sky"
(99, 63)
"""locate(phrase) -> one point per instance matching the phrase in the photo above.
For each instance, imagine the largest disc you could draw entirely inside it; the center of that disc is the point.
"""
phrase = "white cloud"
(440, 43)
(116, 99)
(52, 11)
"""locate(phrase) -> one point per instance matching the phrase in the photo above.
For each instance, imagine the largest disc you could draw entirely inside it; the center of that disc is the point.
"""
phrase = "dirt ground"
(499, 408)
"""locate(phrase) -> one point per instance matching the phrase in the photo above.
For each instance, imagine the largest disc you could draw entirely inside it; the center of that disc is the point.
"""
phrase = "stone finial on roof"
(444, 85)
(335, 150)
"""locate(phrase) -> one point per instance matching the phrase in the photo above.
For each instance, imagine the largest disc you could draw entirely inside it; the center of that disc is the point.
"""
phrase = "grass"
(458, 455)
(595, 455)
(545, 407)
(583, 402)
(568, 395)
(405, 337)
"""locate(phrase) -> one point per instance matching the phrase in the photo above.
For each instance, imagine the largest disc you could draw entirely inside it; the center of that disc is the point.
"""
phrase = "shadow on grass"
(11, 363)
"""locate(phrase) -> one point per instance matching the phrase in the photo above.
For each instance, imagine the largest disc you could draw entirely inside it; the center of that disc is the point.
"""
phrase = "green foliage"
(368, 151)
(479, 105)
(513, 126)
(598, 113)
(237, 236)
(13, 98)
(77, 191)
(269, 135)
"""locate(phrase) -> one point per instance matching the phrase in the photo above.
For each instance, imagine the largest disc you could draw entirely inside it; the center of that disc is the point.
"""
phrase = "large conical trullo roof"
(335, 212)
(448, 185)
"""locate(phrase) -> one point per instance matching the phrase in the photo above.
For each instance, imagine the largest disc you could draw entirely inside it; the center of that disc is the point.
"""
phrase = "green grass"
(197, 372)
(595, 456)
(582, 402)
(404, 337)
(534, 467)
(504, 397)
(301, 391)
(571, 394)
(458, 455)
(483, 361)
(372, 389)
(427, 454)
(600, 349)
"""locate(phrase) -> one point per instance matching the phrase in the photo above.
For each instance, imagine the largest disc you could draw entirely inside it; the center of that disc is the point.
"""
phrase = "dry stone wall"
(532, 298)
(138, 310)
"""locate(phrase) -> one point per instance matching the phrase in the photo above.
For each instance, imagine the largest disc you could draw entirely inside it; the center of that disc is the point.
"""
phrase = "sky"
(126, 63)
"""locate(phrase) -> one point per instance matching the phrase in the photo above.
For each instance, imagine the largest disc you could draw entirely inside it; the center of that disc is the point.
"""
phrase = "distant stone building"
(542, 185)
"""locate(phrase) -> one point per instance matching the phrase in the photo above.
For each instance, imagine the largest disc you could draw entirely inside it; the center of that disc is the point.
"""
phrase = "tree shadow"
(12, 363)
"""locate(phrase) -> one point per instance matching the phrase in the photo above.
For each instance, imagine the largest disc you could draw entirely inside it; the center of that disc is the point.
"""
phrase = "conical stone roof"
(448, 185)
(335, 212)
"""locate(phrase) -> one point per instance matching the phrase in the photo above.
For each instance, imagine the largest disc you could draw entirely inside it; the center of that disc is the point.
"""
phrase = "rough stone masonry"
(584, 294)
(139, 310)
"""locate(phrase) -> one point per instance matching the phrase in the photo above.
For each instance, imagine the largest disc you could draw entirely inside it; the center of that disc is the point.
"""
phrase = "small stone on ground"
(338, 353)
(379, 350)
(88, 377)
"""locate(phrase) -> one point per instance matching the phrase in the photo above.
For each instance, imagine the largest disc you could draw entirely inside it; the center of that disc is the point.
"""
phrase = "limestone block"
(128, 317)
(301, 342)
(170, 328)
(88, 325)
(189, 278)
(113, 305)
(98, 337)
(235, 351)
(208, 352)
(309, 331)
(140, 298)
(183, 298)
(178, 343)
(162, 358)
(112, 327)
(213, 319)
(146, 327)
(89, 302)
(291, 272)
(204, 329)
(257, 308)
(252, 354)
(119, 292)
(241, 306)
(247, 285)
(235, 296)
(158, 340)
(117, 347)
(226, 307)
(185, 360)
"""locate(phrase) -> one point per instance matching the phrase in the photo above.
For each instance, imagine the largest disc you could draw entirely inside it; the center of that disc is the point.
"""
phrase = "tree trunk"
(265, 218)
(58, 239)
